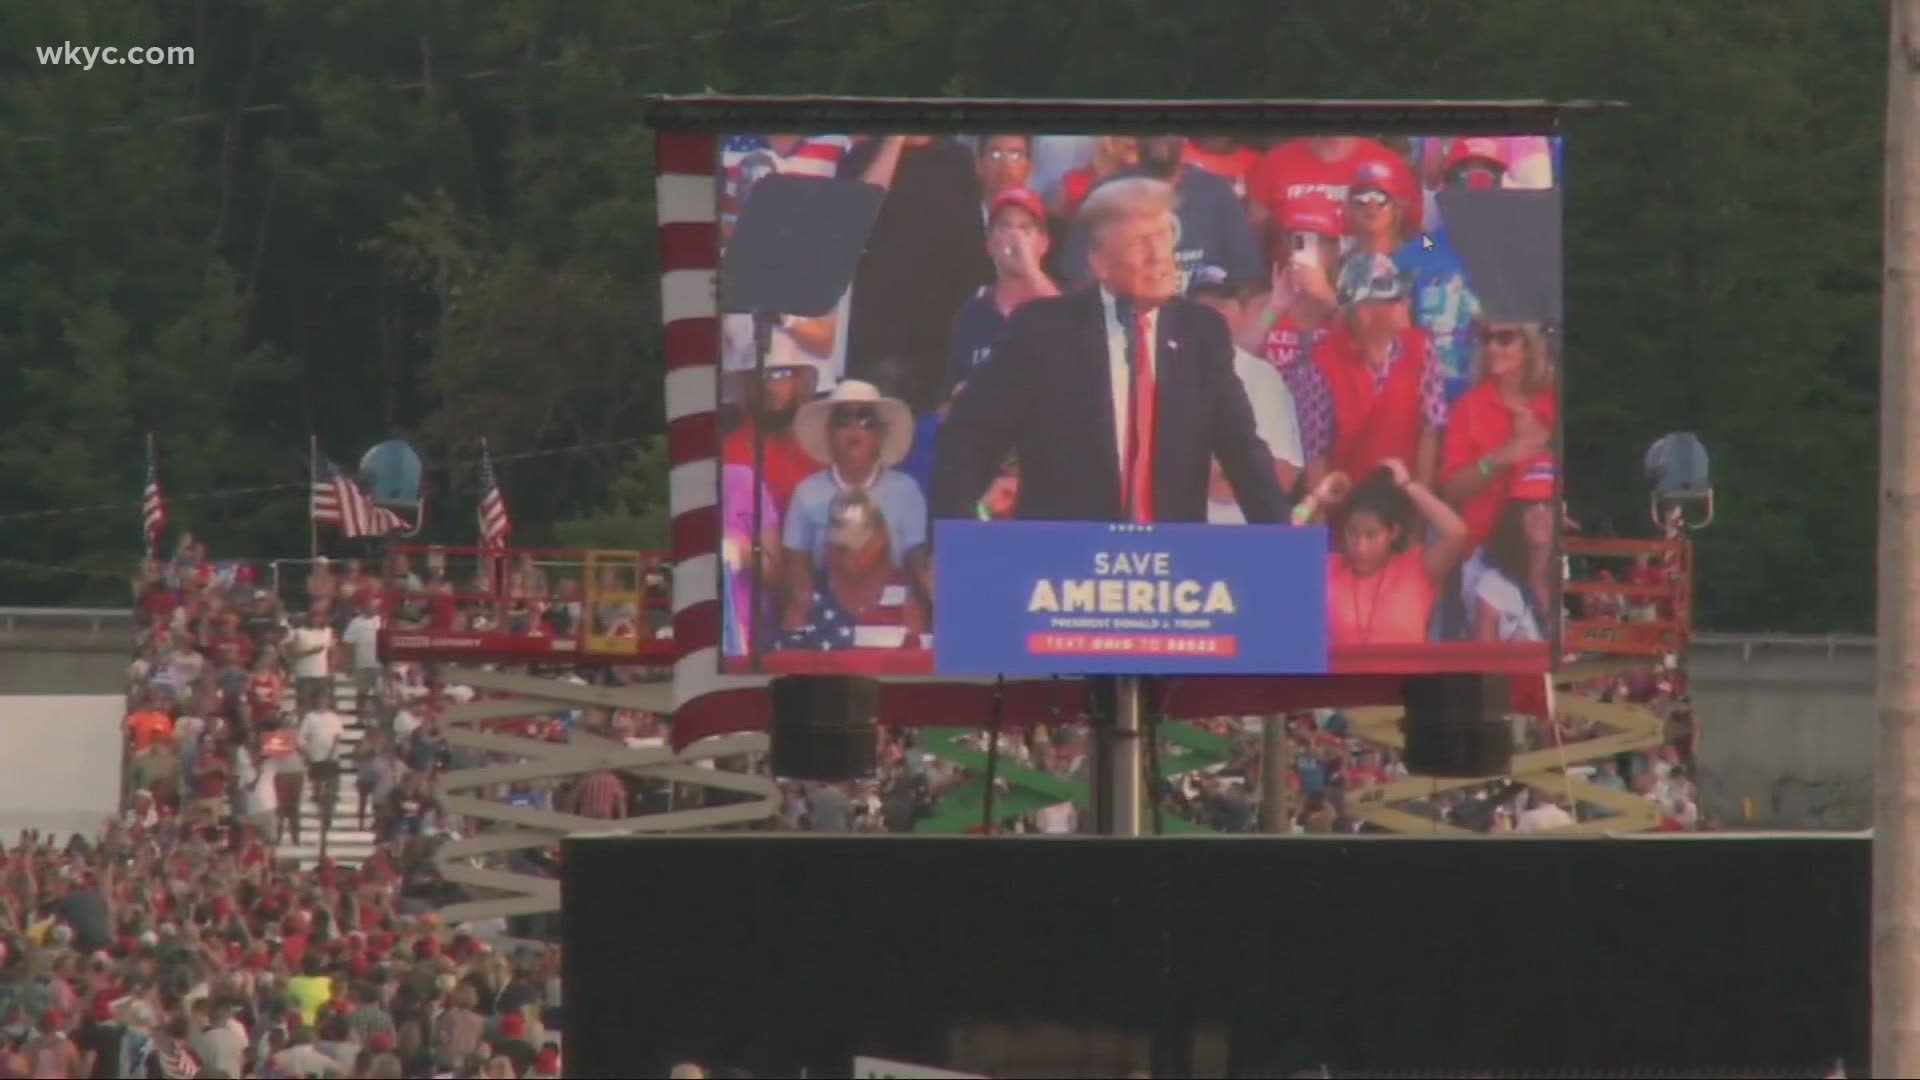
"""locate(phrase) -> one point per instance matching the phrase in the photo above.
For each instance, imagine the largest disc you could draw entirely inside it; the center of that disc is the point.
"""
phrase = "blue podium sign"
(1086, 598)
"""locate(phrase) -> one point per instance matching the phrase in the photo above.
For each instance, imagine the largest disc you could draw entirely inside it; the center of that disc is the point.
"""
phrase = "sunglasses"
(1370, 197)
(860, 417)
(1503, 336)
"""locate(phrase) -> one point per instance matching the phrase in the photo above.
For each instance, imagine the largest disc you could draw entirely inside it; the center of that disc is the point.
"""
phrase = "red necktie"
(1138, 468)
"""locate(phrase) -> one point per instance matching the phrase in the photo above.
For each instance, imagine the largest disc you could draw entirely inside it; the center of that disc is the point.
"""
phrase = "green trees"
(358, 218)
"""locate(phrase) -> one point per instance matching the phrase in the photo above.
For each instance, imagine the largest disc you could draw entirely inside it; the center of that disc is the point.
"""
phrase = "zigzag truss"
(508, 829)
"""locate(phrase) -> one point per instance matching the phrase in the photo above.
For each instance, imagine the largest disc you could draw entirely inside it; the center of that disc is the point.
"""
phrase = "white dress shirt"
(1273, 420)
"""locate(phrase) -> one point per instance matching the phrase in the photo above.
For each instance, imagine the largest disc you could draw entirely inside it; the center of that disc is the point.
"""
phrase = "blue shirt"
(977, 328)
(894, 492)
(1313, 776)
(1443, 306)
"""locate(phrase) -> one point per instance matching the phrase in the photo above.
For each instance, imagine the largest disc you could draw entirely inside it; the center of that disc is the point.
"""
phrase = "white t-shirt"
(188, 729)
(405, 723)
(1274, 420)
(1544, 817)
(184, 668)
(363, 633)
(319, 735)
(1509, 604)
(262, 797)
(1056, 819)
(320, 664)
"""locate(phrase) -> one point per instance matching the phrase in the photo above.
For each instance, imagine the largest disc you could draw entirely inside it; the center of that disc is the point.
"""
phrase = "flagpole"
(313, 470)
(494, 565)
(148, 540)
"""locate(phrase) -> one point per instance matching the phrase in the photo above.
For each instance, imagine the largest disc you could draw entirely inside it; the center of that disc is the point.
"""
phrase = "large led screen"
(1024, 404)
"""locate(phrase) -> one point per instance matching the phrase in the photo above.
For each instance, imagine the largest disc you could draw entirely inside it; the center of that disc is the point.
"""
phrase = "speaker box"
(824, 727)
(1456, 726)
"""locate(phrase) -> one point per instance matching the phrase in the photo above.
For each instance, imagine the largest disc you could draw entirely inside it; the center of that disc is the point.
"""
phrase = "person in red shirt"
(1645, 573)
(1111, 154)
(226, 634)
(1382, 581)
(155, 604)
(1506, 417)
(767, 407)
(1389, 396)
(1320, 164)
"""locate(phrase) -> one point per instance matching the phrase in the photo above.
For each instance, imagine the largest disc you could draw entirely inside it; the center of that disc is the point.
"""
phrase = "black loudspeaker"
(1457, 726)
(824, 727)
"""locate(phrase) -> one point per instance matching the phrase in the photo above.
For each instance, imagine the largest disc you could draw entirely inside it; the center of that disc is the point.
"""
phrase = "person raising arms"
(1381, 579)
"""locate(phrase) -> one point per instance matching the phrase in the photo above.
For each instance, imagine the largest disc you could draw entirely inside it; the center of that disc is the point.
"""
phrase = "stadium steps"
(347, 844)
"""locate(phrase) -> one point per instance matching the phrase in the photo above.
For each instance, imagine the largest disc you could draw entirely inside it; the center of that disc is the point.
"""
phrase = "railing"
(1648, 619)
(619, 604)
(104, 625)
(1749, 644)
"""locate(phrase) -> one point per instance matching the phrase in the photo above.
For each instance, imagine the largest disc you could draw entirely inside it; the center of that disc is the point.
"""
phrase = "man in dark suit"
(1115, 398)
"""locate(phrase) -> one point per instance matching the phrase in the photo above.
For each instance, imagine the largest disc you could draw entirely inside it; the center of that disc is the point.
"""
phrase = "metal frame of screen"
(713, 117)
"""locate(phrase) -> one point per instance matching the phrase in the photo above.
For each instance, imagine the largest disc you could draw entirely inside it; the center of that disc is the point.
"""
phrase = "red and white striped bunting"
(708, 703)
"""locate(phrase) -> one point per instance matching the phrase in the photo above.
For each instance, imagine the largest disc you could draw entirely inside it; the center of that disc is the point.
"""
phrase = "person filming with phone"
(1301, 306)
(1017, 244)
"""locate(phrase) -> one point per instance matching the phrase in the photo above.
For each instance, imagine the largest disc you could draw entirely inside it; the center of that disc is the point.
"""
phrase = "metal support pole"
(1273, 772)
(1121, 766)
(1896, 794)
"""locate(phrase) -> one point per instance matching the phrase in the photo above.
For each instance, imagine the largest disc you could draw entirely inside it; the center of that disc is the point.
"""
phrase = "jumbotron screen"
(1084, 404)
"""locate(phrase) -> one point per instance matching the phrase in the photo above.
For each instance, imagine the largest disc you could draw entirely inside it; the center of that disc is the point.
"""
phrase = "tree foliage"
(356, 218)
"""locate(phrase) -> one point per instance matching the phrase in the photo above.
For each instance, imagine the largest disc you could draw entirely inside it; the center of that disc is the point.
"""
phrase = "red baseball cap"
(1020, 197)
(1380, 176)
(1534, 481)
(1314, 213)
(1479, 148)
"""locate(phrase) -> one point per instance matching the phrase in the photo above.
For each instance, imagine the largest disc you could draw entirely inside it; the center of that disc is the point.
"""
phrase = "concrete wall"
(1787, 723)
(60, 754)
(1787, 730)
(64, 650)
(63, 678)
(26, 670)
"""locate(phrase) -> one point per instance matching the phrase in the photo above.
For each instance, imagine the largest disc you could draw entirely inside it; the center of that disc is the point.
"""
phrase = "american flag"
(153, 506)
(495, 526)
(336, 500)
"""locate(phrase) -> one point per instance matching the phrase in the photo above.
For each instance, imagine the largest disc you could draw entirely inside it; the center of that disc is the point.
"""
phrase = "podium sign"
(1081, 598)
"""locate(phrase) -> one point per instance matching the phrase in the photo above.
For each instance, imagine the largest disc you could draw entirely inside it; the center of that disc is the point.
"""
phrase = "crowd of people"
(1389, 397)
(167, 947)
(180, 942)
